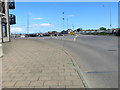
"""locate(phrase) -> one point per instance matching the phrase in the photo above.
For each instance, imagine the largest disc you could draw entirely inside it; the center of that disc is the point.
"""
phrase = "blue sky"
(47, 16)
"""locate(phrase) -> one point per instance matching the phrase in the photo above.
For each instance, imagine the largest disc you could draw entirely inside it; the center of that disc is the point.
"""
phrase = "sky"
(67, 0)
(47, 16)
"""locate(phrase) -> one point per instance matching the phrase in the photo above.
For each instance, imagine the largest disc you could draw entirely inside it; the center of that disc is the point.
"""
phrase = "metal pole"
(67, 23)
(27, 25)
(110, 18)
(8, 24)
(73, 26)
(50, 27)
(63, 20)
(7, 21)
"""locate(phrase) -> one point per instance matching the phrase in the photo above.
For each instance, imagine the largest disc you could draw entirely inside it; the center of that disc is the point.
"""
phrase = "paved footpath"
(30, 63)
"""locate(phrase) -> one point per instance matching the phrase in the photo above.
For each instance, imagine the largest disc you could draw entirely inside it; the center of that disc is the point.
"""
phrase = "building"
(6, 20)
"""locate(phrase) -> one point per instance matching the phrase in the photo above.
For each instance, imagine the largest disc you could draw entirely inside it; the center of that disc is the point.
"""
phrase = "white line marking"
(75, 37)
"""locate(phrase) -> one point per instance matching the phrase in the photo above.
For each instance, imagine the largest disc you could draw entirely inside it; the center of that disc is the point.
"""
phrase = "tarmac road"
(96, 56)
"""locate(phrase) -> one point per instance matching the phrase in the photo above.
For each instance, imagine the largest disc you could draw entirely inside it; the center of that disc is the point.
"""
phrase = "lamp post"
(28, 26)
(63, 19)
(110, 16)
(67, 23)
(73, 26)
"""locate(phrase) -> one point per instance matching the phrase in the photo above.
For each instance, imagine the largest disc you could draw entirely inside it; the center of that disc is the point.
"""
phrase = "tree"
(102, 28)
(79, 29)
(54, 31)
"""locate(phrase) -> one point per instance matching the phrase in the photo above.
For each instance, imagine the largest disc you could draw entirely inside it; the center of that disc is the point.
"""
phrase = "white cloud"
(38, 18)
(16, 29)
(37, 25)
(45, 24)
(70, 15)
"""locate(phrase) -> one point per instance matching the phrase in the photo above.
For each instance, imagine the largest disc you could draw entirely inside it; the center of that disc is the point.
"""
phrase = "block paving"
(32, 63)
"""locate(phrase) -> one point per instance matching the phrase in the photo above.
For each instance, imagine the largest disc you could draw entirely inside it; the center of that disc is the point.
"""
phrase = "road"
(96, 56)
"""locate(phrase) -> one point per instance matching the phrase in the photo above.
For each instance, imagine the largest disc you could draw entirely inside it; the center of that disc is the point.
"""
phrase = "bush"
(102, 33)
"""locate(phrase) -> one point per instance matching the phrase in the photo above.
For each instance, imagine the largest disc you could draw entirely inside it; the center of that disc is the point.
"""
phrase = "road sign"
(72, 33)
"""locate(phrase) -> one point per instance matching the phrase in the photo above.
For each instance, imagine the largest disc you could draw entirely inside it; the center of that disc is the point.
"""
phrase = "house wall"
(6, 19)
(1, 53)
(7, 38)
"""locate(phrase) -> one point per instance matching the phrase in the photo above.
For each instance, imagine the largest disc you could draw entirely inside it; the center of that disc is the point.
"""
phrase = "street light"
(28, 26)
(67, 23)
(110, 16)
(73, 26)
(63, 19)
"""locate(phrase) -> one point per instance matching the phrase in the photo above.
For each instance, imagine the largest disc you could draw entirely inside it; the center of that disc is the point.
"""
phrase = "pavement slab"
(29, 63)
